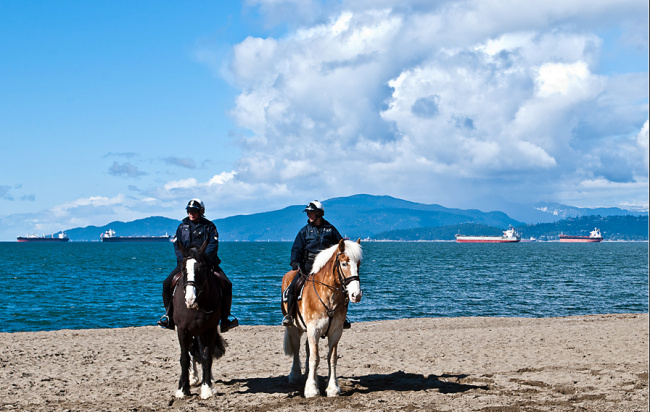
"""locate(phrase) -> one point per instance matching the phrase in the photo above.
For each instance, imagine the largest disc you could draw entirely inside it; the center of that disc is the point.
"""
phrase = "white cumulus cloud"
(402, 98)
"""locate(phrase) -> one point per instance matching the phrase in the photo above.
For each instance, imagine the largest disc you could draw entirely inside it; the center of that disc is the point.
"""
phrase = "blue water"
(97, 285)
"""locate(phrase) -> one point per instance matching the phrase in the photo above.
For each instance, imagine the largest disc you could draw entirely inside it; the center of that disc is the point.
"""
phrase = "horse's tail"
(219, 348)
(290, 347)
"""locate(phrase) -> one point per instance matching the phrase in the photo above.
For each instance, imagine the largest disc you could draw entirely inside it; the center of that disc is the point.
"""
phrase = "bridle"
(343, 280)
(199, 287)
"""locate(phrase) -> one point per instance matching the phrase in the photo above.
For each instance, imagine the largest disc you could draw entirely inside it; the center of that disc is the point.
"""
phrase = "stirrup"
(165, 322)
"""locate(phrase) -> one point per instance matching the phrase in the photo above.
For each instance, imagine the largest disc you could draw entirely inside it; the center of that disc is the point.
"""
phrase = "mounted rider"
(193, 231)
(317, 235)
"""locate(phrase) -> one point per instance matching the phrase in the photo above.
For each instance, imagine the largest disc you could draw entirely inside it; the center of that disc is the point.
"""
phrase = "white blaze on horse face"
(354, 287)
(190, 290)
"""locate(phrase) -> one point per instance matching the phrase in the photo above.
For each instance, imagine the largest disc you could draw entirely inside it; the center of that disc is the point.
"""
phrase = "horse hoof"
(332, 392)
(179, 394)
(311, 392)
(206, 392)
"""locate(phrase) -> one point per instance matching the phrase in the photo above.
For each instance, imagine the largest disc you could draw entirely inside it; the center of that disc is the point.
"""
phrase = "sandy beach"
(595, 363)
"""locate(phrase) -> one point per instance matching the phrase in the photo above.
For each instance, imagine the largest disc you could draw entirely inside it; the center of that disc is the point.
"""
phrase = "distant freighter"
(109, 236)
(62, 237)
(594, 236)
(509, 236)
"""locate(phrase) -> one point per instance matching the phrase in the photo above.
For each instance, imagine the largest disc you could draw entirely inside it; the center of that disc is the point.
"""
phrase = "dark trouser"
(167, 288)
(226, 293)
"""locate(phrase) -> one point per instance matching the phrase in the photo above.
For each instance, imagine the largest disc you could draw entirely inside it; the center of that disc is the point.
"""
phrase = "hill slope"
(358, 216)
(354, 216)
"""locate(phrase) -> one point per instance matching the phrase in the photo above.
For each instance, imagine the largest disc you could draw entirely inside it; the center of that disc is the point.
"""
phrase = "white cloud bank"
(444, 102)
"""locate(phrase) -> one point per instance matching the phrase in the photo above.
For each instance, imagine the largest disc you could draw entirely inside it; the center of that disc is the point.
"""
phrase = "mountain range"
(358, 216)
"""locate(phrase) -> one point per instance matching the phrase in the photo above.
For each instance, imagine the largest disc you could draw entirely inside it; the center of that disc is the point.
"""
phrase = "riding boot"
(346, 323)
(167, 320)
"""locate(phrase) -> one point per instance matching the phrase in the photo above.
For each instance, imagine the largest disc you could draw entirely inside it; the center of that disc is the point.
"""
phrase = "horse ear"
(204, 246)
(341, 245)
(359, 241)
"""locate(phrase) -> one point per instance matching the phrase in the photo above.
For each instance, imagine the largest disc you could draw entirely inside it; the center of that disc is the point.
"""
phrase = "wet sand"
(595, 363)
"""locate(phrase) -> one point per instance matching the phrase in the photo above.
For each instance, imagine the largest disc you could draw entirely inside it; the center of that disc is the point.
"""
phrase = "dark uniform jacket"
(191, 234)
(311, 240)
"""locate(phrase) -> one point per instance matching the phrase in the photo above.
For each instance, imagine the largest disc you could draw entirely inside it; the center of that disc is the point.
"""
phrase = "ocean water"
(96, 285)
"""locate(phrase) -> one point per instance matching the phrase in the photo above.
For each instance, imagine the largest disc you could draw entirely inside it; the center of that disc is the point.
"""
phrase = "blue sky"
(121, 110)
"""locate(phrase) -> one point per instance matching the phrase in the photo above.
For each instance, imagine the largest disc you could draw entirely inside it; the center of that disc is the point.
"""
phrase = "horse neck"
(206, 299)
(327, 274)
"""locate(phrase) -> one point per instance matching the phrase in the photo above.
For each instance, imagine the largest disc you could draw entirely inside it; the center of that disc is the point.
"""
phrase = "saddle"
(299, 287)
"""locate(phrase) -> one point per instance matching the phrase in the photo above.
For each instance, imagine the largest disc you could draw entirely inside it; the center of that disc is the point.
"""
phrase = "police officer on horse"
(192, 232)
(317, 235)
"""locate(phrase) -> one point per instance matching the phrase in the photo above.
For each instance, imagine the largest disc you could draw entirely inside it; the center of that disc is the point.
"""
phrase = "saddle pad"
(285, 293)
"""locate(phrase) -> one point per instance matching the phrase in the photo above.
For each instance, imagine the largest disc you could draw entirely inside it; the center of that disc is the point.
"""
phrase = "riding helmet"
(196, 204)
(315, 206)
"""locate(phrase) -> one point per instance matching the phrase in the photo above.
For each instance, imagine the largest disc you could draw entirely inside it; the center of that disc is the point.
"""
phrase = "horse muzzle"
(355, 297)
(190, 298)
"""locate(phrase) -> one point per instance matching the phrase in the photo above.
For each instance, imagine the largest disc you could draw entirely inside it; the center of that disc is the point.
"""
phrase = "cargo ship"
(594, 236)
(109, 236)
(509, 236)
(61, 237)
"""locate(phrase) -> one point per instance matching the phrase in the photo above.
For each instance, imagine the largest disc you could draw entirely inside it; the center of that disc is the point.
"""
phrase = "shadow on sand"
(396, 381)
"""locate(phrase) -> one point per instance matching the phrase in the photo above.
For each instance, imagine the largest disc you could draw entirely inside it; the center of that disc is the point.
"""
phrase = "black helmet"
(315, 206)
(196, 204)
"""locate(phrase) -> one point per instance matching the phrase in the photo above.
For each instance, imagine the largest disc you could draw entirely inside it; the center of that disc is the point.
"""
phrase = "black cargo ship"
(62, 237)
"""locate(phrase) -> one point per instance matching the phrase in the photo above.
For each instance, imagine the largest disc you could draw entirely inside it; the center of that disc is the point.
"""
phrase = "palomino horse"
(197, 311)
(334, 280)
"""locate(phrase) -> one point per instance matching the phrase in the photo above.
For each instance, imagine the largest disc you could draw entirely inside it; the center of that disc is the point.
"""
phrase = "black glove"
(294, 265)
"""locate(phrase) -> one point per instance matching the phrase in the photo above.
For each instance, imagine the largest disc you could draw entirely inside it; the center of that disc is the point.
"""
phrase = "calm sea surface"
(96, 285)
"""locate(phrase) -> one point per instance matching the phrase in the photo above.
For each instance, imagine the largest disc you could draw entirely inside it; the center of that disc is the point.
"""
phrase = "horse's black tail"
(219, 348)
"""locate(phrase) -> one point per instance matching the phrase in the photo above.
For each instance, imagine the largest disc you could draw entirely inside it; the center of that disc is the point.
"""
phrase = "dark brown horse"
(197, 310)
(333, 282)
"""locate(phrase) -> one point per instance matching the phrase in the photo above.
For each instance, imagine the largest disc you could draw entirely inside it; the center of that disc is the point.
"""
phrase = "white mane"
(352, 249)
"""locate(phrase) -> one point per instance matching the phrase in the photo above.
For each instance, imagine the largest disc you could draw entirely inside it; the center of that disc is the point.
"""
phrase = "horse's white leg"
(206, 369)
(311, 386)
(194, 373)
(333, 388)
(183, 383)
(292, 348)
